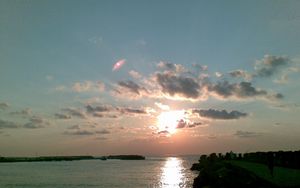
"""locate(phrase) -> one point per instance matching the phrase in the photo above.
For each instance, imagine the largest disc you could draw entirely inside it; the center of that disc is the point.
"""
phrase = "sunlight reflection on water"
(172, 173)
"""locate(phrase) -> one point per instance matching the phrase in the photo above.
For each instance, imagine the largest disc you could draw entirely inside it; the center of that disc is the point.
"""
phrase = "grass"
(283, 177)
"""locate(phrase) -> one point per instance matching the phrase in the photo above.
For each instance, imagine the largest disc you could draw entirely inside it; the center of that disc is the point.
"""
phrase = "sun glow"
(168, 121)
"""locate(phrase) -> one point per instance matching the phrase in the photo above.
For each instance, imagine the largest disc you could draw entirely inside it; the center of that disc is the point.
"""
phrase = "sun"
(168, 121)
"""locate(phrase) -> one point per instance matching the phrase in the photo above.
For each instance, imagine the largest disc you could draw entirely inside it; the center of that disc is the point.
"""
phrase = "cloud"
(24, 112)
(163, 132)
(218, 74)
(79, 132)
(103, 131)
(186, 124)
(75, 112)
(246, 134)
(100, 108)
(162, 106)
(173, 85)
(131, 86)
(282, 80)
(62, 116)
(49, 77)
(170, 67)
(100, 115)
(131, 111)
(8, 124)
(101, 138)
(106, 111)
(219, 114)
(134, 74)
(4, 105)
(86, 132)
(241, 74)
(74, 127)
(200, 67)
(269, 65)
(88, 86)
(240, 90)
(95, 40)
(60, 88)
(36, 122)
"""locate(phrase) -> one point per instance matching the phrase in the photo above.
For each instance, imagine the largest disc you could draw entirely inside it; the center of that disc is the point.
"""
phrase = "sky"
(148, 77)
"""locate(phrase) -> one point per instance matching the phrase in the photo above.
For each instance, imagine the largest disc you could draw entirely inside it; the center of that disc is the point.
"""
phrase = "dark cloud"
(131, 111)
(246, 134)
(74, 127)
(163, 132)
(177, 85)
(100, 115)
(220, 114)
(75, 112)
(24, 112)
(100, 108)
(240, 90)
(270, 65)
(171, 67)
(200, 67)
(101, 138)
(8, 124)
(240, 74)
(36, 122)
(103, 131)
(104, 111)
(79, 132)
(88, 86)
(194, 124)
(3, 106)
(86, 132)
(131, 86)
(62, 116)
(185, 124)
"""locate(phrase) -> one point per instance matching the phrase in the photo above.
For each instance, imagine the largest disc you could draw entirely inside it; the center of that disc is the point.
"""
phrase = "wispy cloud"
(62, 116)
(36, 122)
(269, 65)
(187, 124)
(8, 124)
(4, 105)
(134, 74)
(241, 74)
(107, 111)
(88, 86)
(246, 134)
(75, 112)
(84, 132)
(162, 106)
(131, 86)
(25, 112)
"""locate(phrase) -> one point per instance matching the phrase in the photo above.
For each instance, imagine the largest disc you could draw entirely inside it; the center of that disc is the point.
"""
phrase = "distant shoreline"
(68, 158)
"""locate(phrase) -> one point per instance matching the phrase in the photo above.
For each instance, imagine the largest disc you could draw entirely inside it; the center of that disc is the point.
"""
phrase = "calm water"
(152, 172)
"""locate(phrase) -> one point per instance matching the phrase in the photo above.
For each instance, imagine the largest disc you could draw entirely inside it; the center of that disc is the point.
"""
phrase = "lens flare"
(118, 64)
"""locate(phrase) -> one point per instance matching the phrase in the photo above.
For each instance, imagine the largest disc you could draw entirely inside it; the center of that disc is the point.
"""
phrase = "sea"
(154, 172)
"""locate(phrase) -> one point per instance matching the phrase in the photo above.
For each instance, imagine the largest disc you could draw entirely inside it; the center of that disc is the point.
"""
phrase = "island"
(68, 158)
(126, 157)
